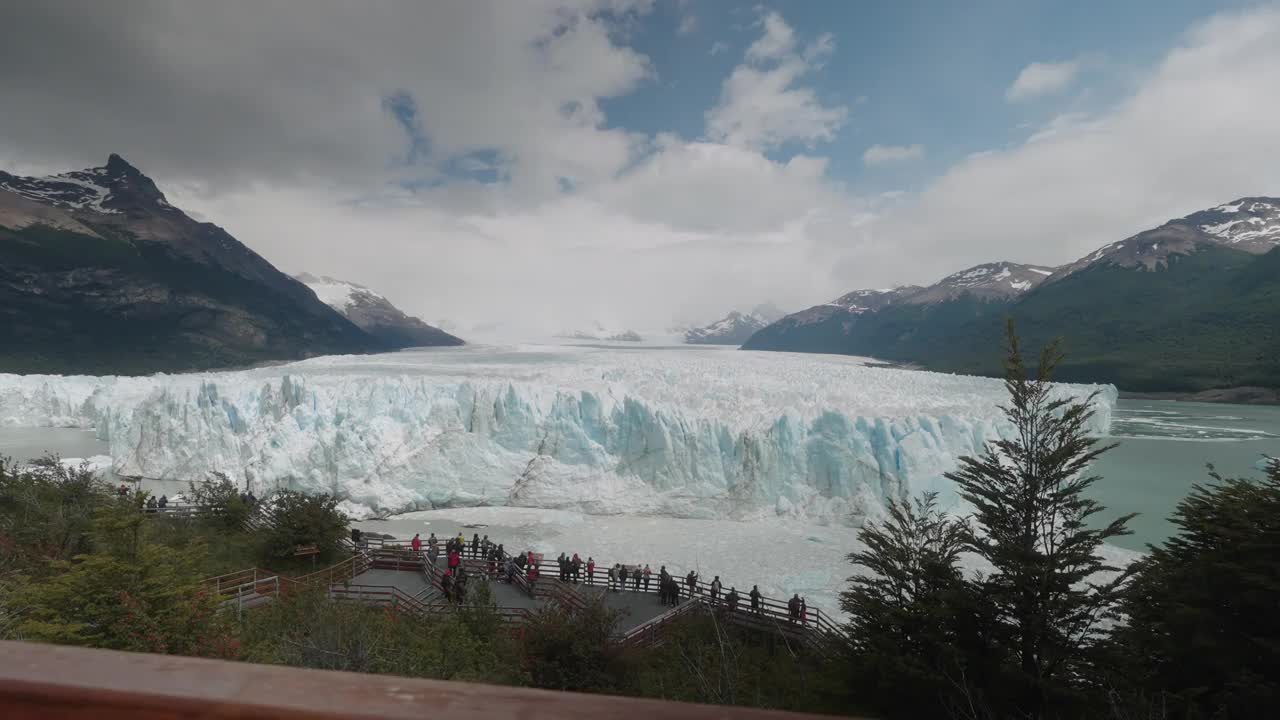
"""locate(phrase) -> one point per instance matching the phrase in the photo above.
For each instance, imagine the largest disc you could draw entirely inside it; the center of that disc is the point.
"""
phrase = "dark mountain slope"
(100, 274)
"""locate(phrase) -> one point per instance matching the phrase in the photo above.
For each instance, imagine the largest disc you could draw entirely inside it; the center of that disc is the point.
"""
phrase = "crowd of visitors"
(571, 568)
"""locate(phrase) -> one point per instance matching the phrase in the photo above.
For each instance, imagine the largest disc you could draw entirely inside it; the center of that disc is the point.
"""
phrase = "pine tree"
(904, 609)
(1201, 635)
(1028, 492)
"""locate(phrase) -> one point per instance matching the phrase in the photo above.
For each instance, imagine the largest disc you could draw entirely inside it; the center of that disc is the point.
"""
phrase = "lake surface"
(1164, 446)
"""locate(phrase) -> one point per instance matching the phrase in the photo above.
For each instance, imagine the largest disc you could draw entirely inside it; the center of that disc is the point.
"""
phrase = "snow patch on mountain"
(600, 331)
(734, 328)
(77, 190)
(337, 294)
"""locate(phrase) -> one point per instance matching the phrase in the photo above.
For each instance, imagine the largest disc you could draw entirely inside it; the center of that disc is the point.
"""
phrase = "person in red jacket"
(591, 570)
(455, 558)
(416, 543)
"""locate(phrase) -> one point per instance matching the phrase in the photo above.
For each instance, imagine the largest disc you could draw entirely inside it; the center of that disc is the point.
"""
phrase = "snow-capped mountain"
(998, 281)
(374, 314)
(599, 331)
(110, 189)
(860, 301)
(1250, 225)
(98, 272)
(734, 328)
(989, 281)
(1186, 306)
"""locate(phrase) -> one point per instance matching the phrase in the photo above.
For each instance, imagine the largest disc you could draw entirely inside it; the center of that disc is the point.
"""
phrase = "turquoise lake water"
(1164, 446)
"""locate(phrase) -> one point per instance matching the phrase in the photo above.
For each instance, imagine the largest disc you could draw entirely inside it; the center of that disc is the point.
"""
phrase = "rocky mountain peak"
(988, 281)
(114, 188)
(1251, 224)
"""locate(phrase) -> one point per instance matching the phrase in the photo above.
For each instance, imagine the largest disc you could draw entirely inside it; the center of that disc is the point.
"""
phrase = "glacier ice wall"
(689, 434)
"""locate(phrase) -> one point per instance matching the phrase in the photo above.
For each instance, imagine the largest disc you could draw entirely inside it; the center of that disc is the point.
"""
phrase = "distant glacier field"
(686, 432)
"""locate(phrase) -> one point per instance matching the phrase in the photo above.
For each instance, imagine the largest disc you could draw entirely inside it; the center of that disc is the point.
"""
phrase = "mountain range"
(735, 328)
(374, 314)
(100, 274)
(1189, 306)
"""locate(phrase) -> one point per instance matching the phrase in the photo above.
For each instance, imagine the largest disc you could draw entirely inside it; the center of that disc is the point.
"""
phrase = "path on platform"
(637, 607)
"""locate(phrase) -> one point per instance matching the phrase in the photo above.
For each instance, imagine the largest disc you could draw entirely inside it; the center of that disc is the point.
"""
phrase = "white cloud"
(1197, 131)
(761, 103)
(778, 40)
(884, 154)
(294, 144)
(688, 24)
(273, 126)
(718, 47)
(1042, 78)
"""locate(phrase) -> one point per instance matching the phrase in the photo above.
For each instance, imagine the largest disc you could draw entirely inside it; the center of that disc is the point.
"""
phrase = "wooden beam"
(54, 682)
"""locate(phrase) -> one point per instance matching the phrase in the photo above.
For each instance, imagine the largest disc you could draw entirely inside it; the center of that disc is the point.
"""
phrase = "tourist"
(613, 576)
(151, 504)
(532, 573)
(622, 577)
(793, 608)
(475, 545)
(635, 574)
(755, 599)
(446, 584)
(164, 501)
(691, 580)
(591, 570)
(647, 573)
(493, 560)
(562, 564)
(416, 543)
(485, 544)
(804, 613)
(715, 590)
(732, 600)
(455, 559)
(577, 568)
(460, 585)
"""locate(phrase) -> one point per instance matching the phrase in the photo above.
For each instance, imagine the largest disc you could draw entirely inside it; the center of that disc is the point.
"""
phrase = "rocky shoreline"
(1246, 395)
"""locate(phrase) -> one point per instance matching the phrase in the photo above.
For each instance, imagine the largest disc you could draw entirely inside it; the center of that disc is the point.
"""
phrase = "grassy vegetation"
(85, 566)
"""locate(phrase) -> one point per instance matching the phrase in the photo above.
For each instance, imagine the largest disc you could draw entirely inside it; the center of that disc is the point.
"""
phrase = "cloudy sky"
(541, 164)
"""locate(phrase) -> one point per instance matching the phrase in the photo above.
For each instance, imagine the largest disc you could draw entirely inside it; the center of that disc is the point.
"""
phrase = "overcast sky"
(543, 164)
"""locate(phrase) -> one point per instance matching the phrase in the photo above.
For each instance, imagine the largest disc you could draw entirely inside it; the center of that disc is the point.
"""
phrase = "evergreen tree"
(300, 519)
(1046, 586)
(904, 610)
(1201, 632)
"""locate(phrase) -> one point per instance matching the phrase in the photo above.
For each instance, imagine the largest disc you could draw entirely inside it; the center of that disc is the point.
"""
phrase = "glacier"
(691, 432)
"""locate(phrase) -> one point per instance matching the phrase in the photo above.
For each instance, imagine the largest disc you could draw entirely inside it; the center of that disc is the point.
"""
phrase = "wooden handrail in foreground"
(68, 683)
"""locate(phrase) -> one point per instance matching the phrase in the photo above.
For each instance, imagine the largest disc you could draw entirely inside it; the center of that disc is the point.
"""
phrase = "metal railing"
(815, 627)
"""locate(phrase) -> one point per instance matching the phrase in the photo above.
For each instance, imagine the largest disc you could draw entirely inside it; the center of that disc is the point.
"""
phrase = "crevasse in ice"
(685, 433)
